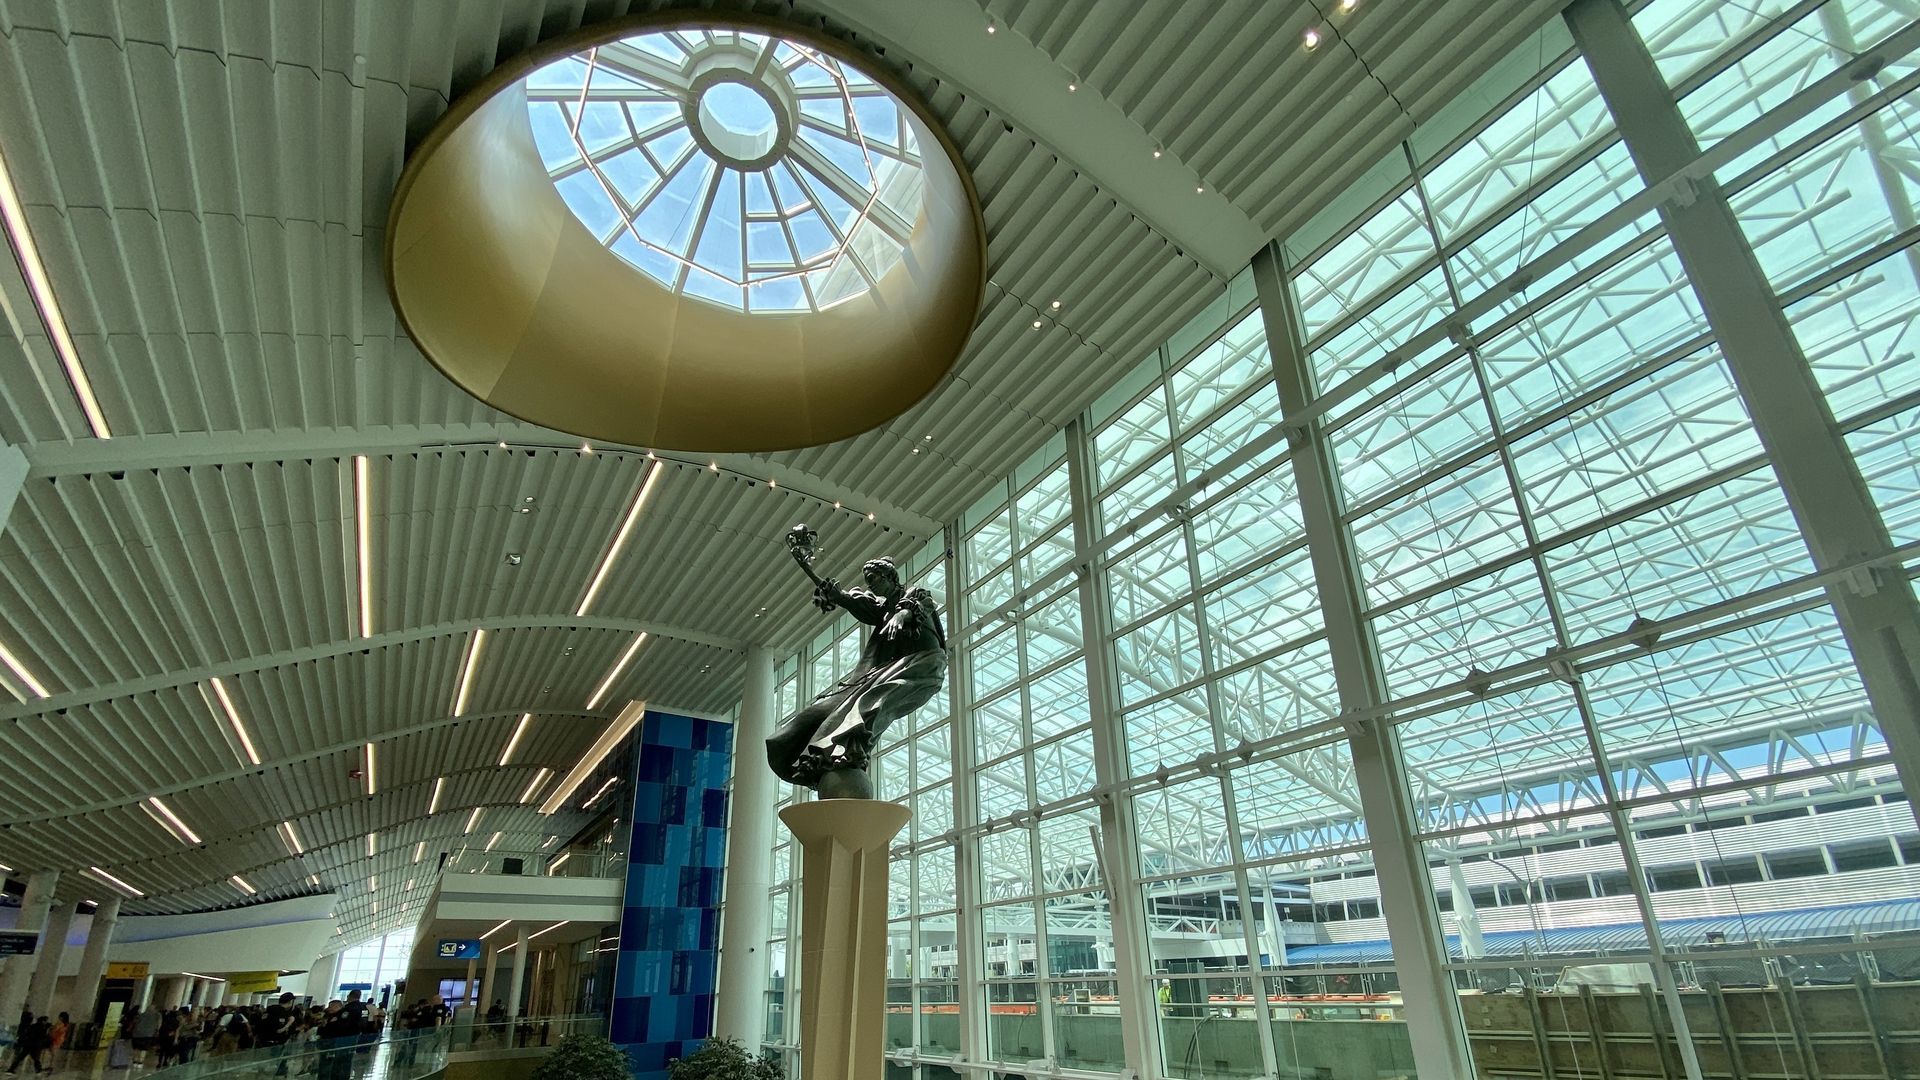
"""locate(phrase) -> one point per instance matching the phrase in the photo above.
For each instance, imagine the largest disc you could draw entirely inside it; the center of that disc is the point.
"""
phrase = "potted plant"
(584, 1057)
(722, 1059)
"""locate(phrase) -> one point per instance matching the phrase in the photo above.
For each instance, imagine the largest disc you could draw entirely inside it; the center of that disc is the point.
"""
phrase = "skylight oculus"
(752, 172)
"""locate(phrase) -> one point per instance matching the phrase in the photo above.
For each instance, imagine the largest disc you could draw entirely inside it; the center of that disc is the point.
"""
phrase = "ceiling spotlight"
(869, 517)
(929, 438)
(915, 450)
(1311, 38)
(773, 483)
(713, 466)
(1349, 5)
(1199, 189)
(1055, 306)
(1072, 86)
(992, 27)
(836, 506)
(586, 448)
(1036, 324)
(513, 558)
(1156, 153)
(503, 444)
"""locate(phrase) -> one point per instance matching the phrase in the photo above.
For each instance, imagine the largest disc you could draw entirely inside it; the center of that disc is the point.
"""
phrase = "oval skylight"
(753, 172)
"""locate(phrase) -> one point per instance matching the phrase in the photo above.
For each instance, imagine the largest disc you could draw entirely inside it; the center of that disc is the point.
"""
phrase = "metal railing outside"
(573, 862)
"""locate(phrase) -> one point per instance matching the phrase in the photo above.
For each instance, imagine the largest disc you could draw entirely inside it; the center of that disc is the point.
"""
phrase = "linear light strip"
(534, 785)
(504, 923)
(619, 539)
(363, 537)
(549, 929)
(33, 685)
(292, 838)
(171, 821)
(419, 849)
(475, 645)
(493, 840)
(233, 718)
(472, 820)
(556, 864)
(513, 742)
(619, 668)
(617, 731)
(439, 789)
(27, 254)
(370, 837)
(114, 881)
(373, 765)
(241, 883)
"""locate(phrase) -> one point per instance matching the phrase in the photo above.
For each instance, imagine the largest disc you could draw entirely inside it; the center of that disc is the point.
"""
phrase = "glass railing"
(573, 862)
(387, 1055)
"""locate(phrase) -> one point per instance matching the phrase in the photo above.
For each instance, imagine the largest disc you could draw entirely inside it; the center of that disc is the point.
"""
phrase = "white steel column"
(93, 957)
(1432, 1009)
(967, 936)
(53, 953)
(519, 971)
(1822, 483)
(487, 989)
(1119, 843)
(15, 977)
(739, 1010)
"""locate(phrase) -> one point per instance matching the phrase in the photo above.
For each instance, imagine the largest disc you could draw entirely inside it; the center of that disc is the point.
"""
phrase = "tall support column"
(487, 988)
(466, 994)
(1432, 1009)
(18, 972)
(93, 959)
(740, 1013)
(320, 977)
(1877, 611)
(968, 939)
(1132, 961)
(53, 953)
(519, 971)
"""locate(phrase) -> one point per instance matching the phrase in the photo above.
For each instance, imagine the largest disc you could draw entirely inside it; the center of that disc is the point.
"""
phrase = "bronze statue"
(828, 744)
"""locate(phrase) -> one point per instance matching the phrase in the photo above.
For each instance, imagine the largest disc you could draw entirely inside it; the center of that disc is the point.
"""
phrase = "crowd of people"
(323, 1038)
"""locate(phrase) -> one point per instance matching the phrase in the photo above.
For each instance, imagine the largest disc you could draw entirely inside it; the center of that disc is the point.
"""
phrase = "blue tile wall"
(670, 931)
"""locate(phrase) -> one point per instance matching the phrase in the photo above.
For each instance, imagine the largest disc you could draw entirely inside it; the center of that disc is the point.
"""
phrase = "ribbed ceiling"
(207, 184)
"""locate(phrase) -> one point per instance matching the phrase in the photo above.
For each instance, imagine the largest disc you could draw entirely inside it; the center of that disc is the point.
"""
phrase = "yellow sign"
(127, 970)
(253, 982)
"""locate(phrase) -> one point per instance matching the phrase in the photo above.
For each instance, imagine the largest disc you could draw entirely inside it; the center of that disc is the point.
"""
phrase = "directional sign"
(451, 949)
(18, 942)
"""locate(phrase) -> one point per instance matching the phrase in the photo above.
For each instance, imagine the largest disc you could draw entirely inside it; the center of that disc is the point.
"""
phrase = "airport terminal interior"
(1419, 501)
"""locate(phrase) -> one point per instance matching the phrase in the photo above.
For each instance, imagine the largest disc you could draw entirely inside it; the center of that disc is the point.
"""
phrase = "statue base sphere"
(845, 784)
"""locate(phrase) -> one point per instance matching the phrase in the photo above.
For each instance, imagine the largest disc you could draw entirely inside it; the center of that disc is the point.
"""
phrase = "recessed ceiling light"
(503, 444)
(1349, 5)
(372, 771)
(1072, 87)
(1199, 188)
(363, 539)
(292, 838)
(241, 884)
(463, 691)
(549, 929)
(370, 837)
(1156, 154)
(929, 438)
(439, 789)
(40, 287)
(533, 786)
(504, 923)
(1036, 324)
(169, 820)
(870, 517)
(102, 875)
(1055, 305)
(773, 483)
(713, 466)
(619, 668)
(586, 448)
(992, 27)
(233, 719)
(20, 672)
(513, 741)
(419, 849)
(1311, 38)
(916, 450)
(472, 820)
(493, 840)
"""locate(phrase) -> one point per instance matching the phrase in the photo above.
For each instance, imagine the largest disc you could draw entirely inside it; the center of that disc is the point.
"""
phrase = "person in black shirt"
(30, 1041)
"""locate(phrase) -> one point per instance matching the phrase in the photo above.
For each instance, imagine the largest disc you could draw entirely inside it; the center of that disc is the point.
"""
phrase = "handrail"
(403, 1054)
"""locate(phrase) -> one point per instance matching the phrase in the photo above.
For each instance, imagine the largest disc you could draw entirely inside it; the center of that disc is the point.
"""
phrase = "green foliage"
(584, 1057)
(721, 1059)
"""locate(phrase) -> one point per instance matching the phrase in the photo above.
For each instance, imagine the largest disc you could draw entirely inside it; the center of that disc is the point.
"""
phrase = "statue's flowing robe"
(839, 728)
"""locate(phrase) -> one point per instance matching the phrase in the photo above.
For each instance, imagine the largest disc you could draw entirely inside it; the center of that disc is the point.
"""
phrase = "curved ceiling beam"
(68, 812)
(326, 650)
(51, 460)
(1095, 136)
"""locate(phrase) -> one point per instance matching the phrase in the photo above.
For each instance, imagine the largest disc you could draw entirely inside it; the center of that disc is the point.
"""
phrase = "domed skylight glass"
(749, 171)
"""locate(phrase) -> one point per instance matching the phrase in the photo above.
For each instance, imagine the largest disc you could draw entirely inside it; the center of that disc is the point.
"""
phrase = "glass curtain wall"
(1660, 824)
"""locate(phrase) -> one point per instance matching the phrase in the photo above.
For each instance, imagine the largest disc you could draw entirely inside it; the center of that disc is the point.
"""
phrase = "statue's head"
(882, 576)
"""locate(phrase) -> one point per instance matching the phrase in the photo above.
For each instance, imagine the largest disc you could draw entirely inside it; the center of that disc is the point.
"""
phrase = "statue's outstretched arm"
(861, 604)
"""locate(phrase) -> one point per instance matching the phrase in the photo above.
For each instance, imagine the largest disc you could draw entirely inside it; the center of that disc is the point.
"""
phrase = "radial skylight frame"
(801, 177)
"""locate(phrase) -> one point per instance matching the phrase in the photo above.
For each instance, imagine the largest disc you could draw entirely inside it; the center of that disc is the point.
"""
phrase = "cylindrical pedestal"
(843, 934)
